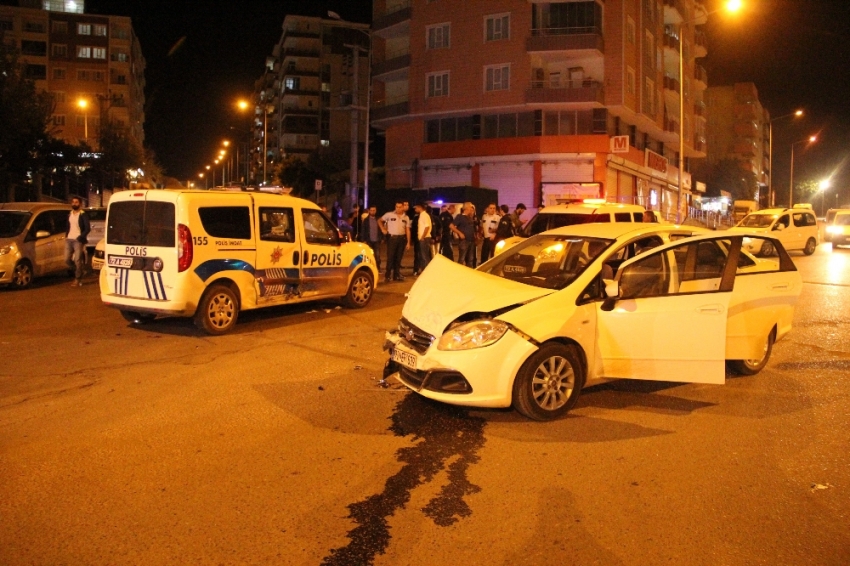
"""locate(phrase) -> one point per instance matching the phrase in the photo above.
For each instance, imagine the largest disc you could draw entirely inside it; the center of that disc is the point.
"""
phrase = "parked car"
(796, 228)
(559, 312)
(98, 255)
(97, 219)
(32, 241)
(838, 229)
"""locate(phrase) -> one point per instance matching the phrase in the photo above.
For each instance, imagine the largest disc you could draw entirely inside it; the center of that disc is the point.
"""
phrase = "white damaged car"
(579, 305)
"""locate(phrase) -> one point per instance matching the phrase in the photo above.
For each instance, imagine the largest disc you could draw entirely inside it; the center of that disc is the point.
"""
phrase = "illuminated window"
(83, 29)
(99, 53)
(99, 30)
(83, 52)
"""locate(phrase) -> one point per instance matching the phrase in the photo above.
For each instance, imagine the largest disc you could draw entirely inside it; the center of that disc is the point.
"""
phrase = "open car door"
(669, 319)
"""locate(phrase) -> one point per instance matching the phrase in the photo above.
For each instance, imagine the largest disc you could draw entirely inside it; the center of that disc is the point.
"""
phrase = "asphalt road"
(278, 444)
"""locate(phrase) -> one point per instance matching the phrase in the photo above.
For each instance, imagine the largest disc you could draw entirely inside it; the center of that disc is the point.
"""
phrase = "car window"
(42, 222)
(757, 221)
(226, 221)
(60, 221)
(13, 223)
(637, 216)
(784, 220)
(96, 214)
(842, 220)
(548, 221)
(622, 217)
(141, 223)
(277, 225)
(318, 229)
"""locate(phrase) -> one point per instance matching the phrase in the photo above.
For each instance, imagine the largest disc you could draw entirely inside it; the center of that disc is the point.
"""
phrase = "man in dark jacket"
(77, 229)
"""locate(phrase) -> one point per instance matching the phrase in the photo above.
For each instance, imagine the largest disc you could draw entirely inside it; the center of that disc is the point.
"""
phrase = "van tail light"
(184, 247)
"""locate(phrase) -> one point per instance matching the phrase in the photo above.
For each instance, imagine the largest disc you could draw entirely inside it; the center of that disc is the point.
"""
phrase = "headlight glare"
(830, 229)
(470, 335)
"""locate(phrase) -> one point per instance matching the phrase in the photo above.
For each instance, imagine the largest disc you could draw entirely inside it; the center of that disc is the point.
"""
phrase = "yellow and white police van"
(212, 254)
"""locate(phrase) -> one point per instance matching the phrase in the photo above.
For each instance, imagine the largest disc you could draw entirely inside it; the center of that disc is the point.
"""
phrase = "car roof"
(590, 208)
(303, 203)
(33, 206)
(615, 230)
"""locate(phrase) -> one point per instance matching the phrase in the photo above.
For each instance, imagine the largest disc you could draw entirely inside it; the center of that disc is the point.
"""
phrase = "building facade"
(739, 128)
(304, 100)
(91, 64)
(543, 101)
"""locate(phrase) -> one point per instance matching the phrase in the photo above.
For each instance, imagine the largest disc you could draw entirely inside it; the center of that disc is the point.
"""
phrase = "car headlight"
(6, 249)
(830, 229)
(470, 335)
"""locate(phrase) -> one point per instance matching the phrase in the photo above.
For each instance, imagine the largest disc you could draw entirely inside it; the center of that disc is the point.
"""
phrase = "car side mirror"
(42, 234)
(612, 293)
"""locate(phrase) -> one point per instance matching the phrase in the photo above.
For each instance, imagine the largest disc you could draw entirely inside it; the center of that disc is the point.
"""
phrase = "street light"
(355, 120)
(770, 195)
(809, 140)
(731, 6)
(206, 183)
(83, 103)
(243, 106)
(823, 186)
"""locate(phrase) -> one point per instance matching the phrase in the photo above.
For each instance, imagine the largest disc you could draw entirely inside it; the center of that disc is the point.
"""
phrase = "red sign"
(656, 161)
(619, 144)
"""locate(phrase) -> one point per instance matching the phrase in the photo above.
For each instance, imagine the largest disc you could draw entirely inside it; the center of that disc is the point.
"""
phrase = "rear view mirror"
(42, 234)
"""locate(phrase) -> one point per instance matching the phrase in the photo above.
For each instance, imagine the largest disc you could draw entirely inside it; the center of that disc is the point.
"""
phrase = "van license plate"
(404, 358)
(117, 261)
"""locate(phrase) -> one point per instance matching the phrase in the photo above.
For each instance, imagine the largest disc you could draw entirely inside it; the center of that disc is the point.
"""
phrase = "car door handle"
(710, 309)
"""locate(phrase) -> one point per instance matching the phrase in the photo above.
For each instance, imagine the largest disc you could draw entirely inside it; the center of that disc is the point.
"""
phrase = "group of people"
(474, 237)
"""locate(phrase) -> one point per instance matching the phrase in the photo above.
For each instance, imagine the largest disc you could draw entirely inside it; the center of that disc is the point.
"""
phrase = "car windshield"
(842, 220)
(13, 223)
(758, 220)
(96, 214)
(547, 261)
(548, 221)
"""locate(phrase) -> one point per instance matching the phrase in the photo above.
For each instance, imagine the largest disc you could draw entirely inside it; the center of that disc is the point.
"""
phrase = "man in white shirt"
(424, 233)
(77, 230)
(396, 226)
(489, 223)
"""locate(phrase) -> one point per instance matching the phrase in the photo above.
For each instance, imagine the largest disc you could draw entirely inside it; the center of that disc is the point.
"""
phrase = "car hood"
(447, 290)
(747, 230)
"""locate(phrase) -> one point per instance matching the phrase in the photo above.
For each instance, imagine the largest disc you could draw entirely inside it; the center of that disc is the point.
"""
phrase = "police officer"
(396, 226)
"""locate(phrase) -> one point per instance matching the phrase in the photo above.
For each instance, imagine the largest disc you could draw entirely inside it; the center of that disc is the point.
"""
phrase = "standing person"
(517, 217)
(396, 226)
(424, 235)
(447, 217)
(77, 229)
(370, 234)
(356, 222)
(505, 229)
(414, 236)
(489, 223)
(464, 227)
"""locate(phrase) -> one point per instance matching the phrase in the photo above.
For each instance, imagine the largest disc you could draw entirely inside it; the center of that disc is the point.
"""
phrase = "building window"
(99, 30)
(649, 51)
(83, 52)
(291, 83)
(630, 30)
(120, 32)
(59, 50)
(83, 29)
(36, 72)
(438, 36)
(99, 53)
(7, 25)
(59, 120)
(438, 84)
(59, 27)
(630, 81)
(34, 27)
(36, 48)
(59, 74)
(120, 56)
(497, 77)
(59, 96)
(649, 97)
(497, 27)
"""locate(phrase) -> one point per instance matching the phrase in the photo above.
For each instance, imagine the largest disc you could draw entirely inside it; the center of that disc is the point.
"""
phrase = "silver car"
(32, 241)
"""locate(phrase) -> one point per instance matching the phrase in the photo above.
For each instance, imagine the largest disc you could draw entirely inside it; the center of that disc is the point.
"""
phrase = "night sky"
(202, 56)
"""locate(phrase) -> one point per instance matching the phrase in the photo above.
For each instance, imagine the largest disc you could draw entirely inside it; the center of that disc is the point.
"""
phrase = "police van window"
(141, 223)
(637, 216)
(277, 225)
(622, 217)
(226, 221)
(318, 229)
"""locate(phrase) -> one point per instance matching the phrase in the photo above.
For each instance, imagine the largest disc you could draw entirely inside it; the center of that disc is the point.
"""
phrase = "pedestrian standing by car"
(424, 234)
(517, 217)
(505, 229)
(489, 223)
(370, 234)
(77, 230)
(396, 226)
(447, 217)
(464, 227)
(356, 222)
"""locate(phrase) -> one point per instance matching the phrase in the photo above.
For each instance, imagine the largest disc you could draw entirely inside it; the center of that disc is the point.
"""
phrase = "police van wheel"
(218, 310)
(360, 290)
(134, 317)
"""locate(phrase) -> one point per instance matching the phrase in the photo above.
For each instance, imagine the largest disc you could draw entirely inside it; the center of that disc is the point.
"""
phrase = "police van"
(213, 254)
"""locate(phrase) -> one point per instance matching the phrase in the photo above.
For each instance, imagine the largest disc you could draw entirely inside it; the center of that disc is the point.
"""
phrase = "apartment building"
(304, 99)
(91, 64)
(543, 101)
(739, 128)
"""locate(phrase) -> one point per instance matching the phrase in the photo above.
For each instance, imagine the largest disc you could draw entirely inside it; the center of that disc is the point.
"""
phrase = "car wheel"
(752, 367)
(359, 291)
(549, 382)
(135, 317)
(810, 246)
(218, 310)
(22, 275)
(767, 249)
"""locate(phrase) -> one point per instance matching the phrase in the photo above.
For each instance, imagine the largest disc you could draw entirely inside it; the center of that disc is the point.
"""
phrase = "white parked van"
(796, 228)
(212, 254)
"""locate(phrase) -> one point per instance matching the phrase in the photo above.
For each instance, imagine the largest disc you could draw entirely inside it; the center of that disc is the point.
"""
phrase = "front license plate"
(116, 261)
(404, 358)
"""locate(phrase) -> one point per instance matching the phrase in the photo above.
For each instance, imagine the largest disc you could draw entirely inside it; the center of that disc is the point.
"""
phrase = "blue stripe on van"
(161, 286)
(147, 285)
(213, 266)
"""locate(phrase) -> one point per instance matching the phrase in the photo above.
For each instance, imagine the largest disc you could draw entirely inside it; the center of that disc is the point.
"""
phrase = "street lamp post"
(730, 6)
(83, 103)
(823, 186)
(770, 195)
(810, 139)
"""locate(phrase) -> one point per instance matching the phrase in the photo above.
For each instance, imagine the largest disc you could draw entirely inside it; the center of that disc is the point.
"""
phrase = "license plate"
(404, 358)
(120, 261)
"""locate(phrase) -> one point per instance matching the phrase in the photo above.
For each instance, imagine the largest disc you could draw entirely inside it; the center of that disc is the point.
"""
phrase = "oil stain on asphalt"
(441, 433)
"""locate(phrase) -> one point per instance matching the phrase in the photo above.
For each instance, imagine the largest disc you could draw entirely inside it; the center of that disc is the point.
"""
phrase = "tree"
(728, 175)
(24, 115)
(118, 154)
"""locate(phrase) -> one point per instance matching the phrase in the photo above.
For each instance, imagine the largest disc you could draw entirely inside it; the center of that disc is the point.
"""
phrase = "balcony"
(700, 44)
(392, 63)
(542, 92)
(671, 40)
(295, 52)
(295, 32)
(744, 111)
(674, 11)
(699, 143)
(747, 129)
(745, 148)
(699, 109)
(390, 109)
(670, 83)
(394, 15)
(587, 39)
(700, 77)
(700, 13)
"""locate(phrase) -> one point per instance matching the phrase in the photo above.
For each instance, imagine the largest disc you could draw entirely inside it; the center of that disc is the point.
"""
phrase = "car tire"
(548, 383)
(752, 367)
(811, 244)
(218, 310)
(135, 317)
(359, 290)
(767, 249)
(22, 275)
